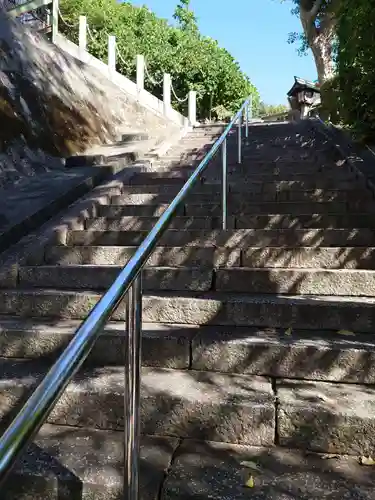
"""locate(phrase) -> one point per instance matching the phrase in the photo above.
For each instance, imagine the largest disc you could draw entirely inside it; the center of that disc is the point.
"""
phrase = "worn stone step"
(133, 223)
(85, 464)
(338, 418)
(362, 205)
(237, 207)
(239, 238)
(176, 178)
(279, 311)
(218, 407)
(163, 345)
(166, 179)
(193, 198)
(243, 280)
(270, 221)
(305, 221)
(268, 190)
(215, 177)
(290, 353)
(337, 356)
(162, 256)
(217, 471)
(102, 277)
(296, 281)
(252, 165)
(166, 195)
(198, 190)
(309, 257)
(297, 185)
(134, 210)
(271, 257)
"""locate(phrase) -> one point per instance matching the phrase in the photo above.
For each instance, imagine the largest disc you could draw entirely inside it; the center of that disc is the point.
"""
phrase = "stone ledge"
(28, 209)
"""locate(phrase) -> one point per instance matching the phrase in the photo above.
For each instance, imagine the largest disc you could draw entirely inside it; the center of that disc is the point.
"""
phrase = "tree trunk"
(319, 40)
(321, 48)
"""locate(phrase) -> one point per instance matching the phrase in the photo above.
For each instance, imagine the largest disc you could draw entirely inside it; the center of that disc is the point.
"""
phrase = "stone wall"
(55, 105)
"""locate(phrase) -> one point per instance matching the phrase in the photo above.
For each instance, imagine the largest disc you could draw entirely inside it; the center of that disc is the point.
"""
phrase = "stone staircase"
(257, 340)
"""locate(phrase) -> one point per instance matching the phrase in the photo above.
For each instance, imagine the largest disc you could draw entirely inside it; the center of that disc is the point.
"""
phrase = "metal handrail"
(40, 404)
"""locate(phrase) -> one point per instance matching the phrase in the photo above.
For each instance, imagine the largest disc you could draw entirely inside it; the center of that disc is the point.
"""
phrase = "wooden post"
(192, 108)
(167, 90)
(140, 73)
(82, 35)
(55, 20)
(112, 53)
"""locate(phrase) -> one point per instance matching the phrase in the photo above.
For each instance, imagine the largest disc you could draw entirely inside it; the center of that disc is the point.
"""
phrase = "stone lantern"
(303, 96)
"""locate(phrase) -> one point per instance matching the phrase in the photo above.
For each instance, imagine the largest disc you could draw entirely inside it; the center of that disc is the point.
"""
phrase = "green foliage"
(185, 17)
(331, 106)
(356, 65)
(194, 62)
(271, 109)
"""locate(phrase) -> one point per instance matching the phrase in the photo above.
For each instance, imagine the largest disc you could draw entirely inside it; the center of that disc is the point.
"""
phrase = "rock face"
(53, 103)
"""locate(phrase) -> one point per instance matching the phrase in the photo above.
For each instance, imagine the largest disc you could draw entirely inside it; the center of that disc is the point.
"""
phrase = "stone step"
(178, 469)
(199, 190)
(218, 471)
(241, 408)
(336, 356)
(234, 208)
(299, 354)
(133, 210)
(214, 176)
(271, 221)
(85, 464)
(304, 221)
(163, 345)
(197, 308)
(289, 185)
(162, 256)
(162, 179)
(133, 223)
(175, 178)
(258, 257)
(363, 205)
(240, 238)
(102, 277)
(309, 257)
(276, 164)
(179, 403)
(347, 282)
(164, 194)
(321, 416)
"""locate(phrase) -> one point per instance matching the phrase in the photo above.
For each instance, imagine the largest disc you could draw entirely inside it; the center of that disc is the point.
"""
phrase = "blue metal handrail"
(40, 404)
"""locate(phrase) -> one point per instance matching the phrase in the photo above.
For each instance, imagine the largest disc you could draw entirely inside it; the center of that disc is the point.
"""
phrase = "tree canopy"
(271, 109)
(195, 62)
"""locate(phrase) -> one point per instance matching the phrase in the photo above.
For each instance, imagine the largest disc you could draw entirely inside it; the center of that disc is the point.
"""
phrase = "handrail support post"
(132, 365)
(240, 139)
(247, 120)
(224, 184)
